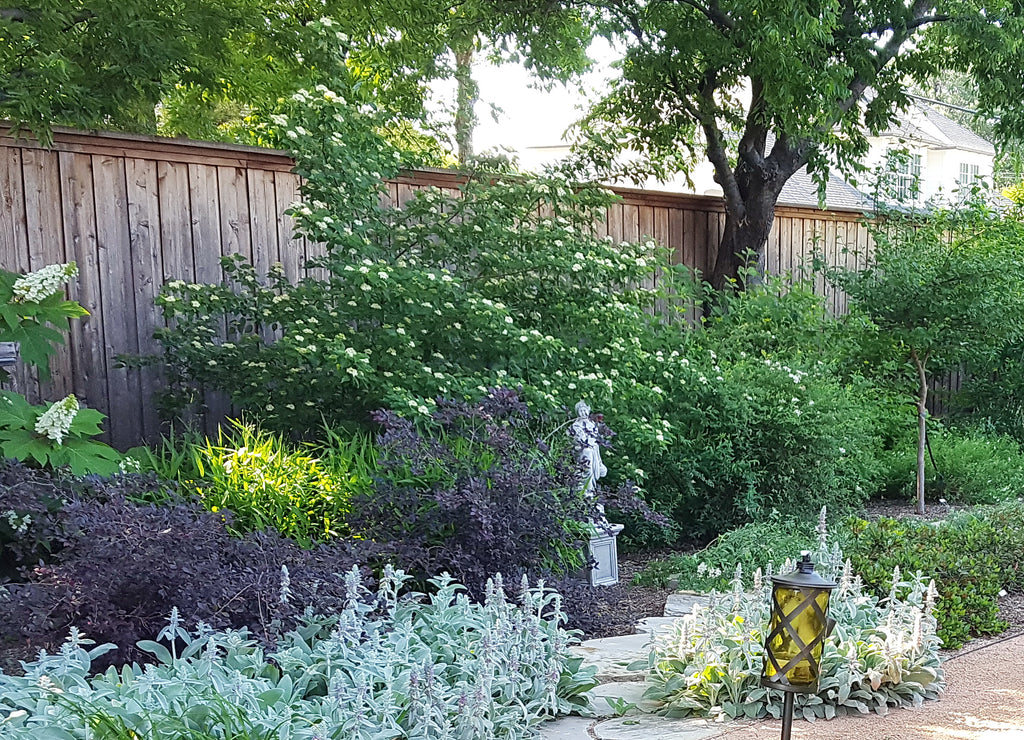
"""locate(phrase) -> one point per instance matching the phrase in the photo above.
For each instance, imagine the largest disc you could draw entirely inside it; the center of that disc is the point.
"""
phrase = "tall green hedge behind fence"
(135, 212)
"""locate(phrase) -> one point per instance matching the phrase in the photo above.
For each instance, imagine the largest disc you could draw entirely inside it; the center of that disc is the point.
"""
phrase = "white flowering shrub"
(881, 654)
(55, 435)
(414, 666)
(505, 284)
(33, 311)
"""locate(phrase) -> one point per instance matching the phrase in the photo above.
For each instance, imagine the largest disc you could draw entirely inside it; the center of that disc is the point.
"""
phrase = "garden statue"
(584, 431)
(603, 552)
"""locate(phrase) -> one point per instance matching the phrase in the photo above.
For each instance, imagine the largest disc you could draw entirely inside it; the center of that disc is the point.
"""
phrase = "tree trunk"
(743, 239)
(747, 225)
(922, 423)
(466, 94)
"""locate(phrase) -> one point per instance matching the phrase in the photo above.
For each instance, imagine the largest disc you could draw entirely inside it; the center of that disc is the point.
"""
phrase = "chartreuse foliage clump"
(386, 666)
(883, 652)
(33, 312)
(301, 490)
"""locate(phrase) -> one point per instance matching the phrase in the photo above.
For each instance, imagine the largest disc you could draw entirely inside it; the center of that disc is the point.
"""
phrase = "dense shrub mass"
(971, 556)
(965, 466)
(505, 284)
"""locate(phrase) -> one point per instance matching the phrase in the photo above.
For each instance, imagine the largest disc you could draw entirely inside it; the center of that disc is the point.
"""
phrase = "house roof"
(801, 190)
(925, 125)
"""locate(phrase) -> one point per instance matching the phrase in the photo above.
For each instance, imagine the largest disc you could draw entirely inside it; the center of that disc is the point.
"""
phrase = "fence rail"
(135, 212)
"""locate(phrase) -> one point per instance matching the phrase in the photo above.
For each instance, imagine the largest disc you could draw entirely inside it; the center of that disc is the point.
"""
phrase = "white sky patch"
(526, 116)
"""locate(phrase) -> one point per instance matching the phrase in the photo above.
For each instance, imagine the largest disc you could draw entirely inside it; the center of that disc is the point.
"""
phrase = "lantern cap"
(804, 576)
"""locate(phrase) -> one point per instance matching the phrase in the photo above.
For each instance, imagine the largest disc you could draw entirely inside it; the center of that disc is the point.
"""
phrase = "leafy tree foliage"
(943, 290)
(763, 88)
(217, 69)
(106, 62)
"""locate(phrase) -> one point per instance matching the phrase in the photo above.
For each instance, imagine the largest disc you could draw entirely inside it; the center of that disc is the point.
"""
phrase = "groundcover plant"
(388, 666)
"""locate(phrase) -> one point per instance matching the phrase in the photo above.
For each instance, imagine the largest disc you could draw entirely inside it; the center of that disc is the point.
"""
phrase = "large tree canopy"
(216, 68)
(764, 87)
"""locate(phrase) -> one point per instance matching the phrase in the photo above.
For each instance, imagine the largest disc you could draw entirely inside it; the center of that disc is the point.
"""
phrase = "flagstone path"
(984, 698)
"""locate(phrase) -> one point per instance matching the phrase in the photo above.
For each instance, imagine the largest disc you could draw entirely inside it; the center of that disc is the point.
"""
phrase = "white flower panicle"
(43, 283)
(55, 422)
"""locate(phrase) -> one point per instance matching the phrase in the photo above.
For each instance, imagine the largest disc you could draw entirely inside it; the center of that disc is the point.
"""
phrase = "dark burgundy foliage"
(481, 491)
(123, 566)
(475, 496)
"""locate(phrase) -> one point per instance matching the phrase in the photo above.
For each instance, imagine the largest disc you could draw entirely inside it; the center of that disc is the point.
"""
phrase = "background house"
(931, 157)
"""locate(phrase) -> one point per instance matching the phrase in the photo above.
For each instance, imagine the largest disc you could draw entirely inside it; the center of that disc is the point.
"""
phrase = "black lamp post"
(796, 633)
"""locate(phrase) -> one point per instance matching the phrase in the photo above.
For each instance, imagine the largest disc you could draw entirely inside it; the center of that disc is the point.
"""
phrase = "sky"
(527, 116)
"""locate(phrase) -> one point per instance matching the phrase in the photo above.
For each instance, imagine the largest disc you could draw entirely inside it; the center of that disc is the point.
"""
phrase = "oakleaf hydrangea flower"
(55, 422)
(43, 283)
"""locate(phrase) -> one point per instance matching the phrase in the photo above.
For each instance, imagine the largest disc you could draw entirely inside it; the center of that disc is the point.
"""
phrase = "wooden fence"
(135, 212)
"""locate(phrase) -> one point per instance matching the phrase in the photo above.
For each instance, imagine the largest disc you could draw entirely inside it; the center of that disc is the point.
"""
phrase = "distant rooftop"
(925, 125)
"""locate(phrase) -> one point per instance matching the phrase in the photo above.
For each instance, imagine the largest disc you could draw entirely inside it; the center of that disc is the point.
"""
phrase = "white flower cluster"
(43, 283)
(55, 422)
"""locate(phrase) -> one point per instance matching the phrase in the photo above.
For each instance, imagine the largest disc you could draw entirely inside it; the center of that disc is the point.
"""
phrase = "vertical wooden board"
(13, 229)
(204, 192)
(206, 231)
(712, 240)
(143, 193)
(41, 247)
(113, 241)
(630, 222)
(286, 191)
(615, 222)
(235, 234)
(14, 249)
(676, 231)
(785, 245)
(46, 247)
(87, 340)
(771, 249)
(828, 253)
(645, 222)
(691, 247)
(175, 206)
(263, 220)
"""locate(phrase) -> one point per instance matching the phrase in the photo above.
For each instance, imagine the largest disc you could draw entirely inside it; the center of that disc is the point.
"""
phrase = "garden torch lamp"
(797, 630)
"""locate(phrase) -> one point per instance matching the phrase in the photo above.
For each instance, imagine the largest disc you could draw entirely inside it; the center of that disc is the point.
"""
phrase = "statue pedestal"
(603, 549)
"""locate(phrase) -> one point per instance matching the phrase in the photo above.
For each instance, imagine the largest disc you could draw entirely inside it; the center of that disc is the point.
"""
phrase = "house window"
(969, 175)
(907, 171)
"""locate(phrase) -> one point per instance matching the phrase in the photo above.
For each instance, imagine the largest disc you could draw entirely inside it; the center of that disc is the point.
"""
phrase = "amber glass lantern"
(797, 630)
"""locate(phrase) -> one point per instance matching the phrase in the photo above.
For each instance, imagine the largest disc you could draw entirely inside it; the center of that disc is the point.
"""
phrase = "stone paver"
(657, 625)
(681, 604)
(630, 692)
(611, 655)
(567, 728)
(647, 727)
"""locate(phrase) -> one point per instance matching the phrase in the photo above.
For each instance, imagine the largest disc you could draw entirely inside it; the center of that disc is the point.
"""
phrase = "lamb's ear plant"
(883, 652)
(388, 665)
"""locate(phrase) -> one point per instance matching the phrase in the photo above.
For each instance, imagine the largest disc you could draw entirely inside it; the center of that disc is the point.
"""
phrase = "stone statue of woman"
(584, 431)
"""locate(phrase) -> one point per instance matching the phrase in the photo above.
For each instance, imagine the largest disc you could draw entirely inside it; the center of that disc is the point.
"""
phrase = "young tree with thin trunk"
(943, 288)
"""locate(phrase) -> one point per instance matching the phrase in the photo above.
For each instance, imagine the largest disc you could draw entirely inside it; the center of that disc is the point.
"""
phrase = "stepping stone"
(630, 692)
(567, 728)
(681, 604)
(658, 625)
(649, 727)
(611, 655)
